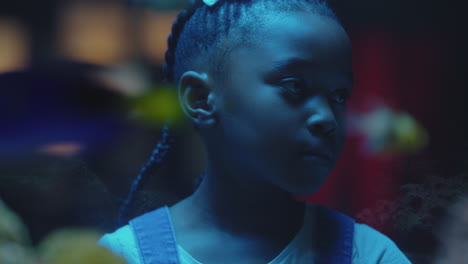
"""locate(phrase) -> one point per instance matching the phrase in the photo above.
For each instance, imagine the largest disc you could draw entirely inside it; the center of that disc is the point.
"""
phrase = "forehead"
(318, 41)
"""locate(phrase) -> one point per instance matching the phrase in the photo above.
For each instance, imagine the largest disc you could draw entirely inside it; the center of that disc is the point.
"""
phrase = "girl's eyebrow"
(291, 64)
(295, 63)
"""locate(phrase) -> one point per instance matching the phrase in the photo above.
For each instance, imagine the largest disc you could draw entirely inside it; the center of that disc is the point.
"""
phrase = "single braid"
(163, 145)
(156, 158)
(177, 28)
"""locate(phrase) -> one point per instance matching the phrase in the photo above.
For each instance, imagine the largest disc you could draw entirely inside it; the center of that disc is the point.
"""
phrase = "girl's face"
(283, 107)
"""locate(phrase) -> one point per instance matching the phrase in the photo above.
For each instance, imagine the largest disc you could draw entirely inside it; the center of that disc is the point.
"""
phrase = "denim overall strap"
(335, 237)
(155, 237)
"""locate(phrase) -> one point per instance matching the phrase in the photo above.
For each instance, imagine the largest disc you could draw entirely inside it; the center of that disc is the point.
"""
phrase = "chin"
(304, 190)
(307, 184)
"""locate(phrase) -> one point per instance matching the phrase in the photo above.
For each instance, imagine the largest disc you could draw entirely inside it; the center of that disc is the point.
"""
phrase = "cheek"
(258, 108)
(258, 135)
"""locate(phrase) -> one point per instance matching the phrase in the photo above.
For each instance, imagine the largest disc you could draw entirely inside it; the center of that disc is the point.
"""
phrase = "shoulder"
(371, 246)
(122, 242)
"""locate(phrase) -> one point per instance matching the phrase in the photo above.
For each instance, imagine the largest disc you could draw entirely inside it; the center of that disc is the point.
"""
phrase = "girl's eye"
(340, 96)
(292, 86)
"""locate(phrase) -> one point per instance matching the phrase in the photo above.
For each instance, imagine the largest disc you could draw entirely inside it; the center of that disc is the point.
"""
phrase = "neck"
(246, 207)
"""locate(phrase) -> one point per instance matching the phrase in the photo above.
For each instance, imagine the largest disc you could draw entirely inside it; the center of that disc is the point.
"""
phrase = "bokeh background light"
(14, 45)
(94, 32)
(154, 45)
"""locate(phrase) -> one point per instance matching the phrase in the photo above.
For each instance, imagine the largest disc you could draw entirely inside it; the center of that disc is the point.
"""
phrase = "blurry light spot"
(387, 131)
(61, 149)
(95, 33)
(14, 45)
(157, 105)
(128, 80)
(409, 135)
(82, 243)
(155, 31)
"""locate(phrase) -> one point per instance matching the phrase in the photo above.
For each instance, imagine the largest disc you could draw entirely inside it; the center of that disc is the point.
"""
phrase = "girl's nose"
(321, 121)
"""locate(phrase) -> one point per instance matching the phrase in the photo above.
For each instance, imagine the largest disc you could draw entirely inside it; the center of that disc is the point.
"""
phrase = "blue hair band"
(210, 2)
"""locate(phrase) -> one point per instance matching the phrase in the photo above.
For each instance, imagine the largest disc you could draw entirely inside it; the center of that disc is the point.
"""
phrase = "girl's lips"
(316, 159)
(322, 154)
(316, 156)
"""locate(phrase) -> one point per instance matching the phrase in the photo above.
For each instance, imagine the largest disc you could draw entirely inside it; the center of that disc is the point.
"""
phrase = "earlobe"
(196, 98)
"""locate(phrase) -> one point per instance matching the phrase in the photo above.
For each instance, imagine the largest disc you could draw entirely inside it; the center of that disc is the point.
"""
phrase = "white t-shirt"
(369, 246)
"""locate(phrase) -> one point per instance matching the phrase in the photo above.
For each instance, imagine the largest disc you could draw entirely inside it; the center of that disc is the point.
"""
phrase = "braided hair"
(205, 36)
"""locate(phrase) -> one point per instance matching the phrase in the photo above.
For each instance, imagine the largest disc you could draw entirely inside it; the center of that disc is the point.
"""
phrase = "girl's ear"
(196, 98)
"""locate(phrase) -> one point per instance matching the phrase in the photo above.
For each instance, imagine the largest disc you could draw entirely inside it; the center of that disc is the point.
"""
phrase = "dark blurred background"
(77, 79)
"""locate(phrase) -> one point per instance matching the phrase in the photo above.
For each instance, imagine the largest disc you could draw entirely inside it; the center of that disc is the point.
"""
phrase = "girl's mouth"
(318, 157)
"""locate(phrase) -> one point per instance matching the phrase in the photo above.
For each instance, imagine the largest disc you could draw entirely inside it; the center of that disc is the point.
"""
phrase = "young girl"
(266, 83)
